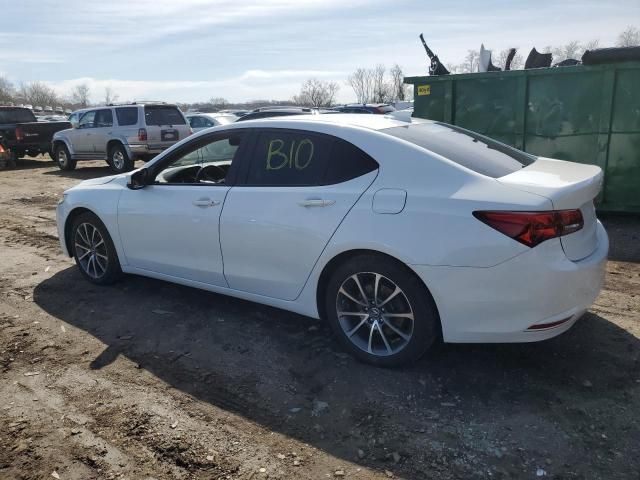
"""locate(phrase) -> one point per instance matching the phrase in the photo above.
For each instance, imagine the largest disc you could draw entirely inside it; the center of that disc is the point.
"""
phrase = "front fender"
(63, 139)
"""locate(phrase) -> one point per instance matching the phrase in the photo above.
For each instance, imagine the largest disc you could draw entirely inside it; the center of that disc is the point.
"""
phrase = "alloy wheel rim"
(62, 157)
(374, 314)
(91, 250)
(118, 159)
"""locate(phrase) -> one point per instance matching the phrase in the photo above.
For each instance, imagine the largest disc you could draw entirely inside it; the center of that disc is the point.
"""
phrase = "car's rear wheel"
(119, 160)
(63, 158)
(93, 250)
(380, 311)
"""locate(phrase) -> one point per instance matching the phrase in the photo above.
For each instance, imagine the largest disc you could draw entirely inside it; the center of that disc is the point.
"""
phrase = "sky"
(193, 50)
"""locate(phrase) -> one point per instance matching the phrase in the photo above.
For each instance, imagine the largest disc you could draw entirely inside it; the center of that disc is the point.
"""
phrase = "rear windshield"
(471, 150)
(16, 115)
(163, 115)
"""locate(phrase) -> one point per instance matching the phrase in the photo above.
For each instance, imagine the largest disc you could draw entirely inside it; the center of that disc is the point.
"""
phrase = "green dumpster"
(585, 114)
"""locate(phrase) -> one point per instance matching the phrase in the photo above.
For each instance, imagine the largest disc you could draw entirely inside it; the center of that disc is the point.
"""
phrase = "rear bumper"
(144, 150)
(501, 303)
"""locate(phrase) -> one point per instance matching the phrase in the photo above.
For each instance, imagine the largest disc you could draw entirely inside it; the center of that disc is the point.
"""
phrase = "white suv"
(119, 134)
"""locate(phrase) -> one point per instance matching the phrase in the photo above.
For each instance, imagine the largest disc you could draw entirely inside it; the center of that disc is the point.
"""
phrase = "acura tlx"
(397, 233)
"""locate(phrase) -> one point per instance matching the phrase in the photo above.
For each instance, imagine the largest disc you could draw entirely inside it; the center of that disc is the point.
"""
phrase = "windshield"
(16, 115)
(224, 120)
(471, 150)
(163, 115)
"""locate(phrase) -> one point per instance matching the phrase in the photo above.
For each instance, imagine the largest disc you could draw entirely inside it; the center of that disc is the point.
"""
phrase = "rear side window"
(300, 158)
(285, 158)
(346, 162)
(471, 150)
(127, 116)
(163, 115)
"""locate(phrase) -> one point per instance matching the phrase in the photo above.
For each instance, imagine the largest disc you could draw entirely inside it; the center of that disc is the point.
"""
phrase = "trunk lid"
(568, 186)
(165, 125)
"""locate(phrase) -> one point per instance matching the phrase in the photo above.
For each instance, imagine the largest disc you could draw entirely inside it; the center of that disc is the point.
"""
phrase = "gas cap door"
(389, 200)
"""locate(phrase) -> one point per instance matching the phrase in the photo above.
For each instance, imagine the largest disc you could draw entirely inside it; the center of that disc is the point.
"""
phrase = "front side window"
(87, 119)
(104, 118)
(469, 149)
(285, 158)
(208, 162)
(127, 116)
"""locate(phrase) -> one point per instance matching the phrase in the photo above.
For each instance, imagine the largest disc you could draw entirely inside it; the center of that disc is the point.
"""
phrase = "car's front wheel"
(93, 250)
(63, 158)
(380, 311)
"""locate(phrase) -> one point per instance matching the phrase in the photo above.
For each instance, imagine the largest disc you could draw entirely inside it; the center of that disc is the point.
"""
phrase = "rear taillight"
(1, 149)
(142, 134)
(19, 134)
(533, 228)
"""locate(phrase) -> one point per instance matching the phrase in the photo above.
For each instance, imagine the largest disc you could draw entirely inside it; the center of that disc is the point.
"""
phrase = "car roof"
(371, 122)
(209, 114)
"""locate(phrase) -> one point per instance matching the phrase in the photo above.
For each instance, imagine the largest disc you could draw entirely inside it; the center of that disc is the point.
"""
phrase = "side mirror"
(139, 179)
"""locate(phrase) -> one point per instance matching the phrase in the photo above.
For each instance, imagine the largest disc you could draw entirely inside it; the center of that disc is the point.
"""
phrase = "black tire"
(118, 159)
(105, 271)
(63, 158)
(392, 348)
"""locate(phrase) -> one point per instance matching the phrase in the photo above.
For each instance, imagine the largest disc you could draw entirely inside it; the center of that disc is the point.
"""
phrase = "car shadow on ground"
(277, 368)
(33, 163)
(82, 173)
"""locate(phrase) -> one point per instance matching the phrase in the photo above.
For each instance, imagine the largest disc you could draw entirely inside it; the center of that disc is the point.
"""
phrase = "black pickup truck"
(21, 134)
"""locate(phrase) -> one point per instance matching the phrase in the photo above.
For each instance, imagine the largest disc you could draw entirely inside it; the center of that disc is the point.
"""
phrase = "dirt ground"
(149, 380)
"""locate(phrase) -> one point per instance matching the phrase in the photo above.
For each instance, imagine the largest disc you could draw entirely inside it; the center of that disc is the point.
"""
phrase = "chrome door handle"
(316, 202)
(205, 202)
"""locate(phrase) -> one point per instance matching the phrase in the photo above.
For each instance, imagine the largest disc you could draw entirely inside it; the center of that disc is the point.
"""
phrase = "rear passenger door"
(103, 128)
(298, 186)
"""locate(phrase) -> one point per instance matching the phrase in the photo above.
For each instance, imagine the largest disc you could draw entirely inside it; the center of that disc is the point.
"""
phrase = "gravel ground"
(148, 380)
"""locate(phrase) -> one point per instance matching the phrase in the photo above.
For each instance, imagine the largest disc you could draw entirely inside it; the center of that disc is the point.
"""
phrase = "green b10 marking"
(298, 157)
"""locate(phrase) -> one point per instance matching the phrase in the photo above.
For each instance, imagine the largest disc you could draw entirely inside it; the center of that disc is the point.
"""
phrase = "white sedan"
(397, 233)
(201, 121)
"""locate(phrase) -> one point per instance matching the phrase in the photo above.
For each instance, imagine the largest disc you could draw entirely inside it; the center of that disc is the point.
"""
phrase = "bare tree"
(381, 89)
(317, 93)
(7, 91)
(38, 94)
(629, 38)
(80, 95)
(109, 95)
(471, 61)
(218, 102)
(591, 45)
(572, 49)
(362, 83)
(398, 88)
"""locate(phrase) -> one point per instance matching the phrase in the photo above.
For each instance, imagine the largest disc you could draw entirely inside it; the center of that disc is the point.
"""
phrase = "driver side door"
(171, 227)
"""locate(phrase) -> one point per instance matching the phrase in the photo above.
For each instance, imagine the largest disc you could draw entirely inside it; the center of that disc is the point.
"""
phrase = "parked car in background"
(266, 112)
(120, 134)
(379, 108)
(236, 112)
(200, 121)
(398, 233)
(52, 118)
(22, 134)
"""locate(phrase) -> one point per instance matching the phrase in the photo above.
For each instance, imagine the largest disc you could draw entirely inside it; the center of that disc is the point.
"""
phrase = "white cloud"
(252, 84)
